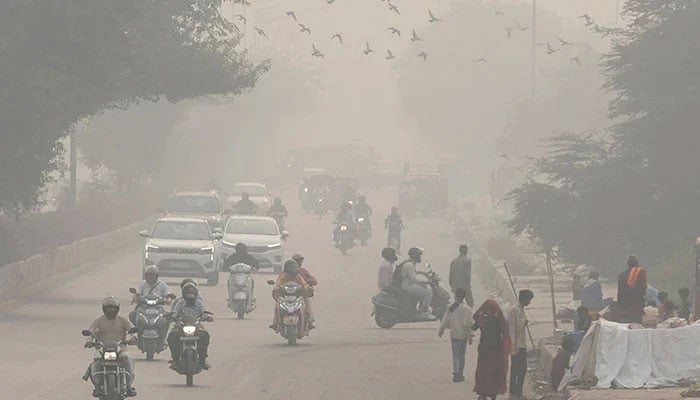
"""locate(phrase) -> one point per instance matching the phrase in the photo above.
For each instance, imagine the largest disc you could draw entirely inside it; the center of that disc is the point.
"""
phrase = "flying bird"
(241, 18)
(260, 31)
(563, 42)
(576, 59)
(589, 21)
(423, 55)
(549, 49)
(337, 36)
(293, 15)
(367, 49)
(432, 17)
(393, 8)
(415, 37)
(316, 52)
(497, 12)
(304, 28)
(480, 60)
(394, 30)
(389, 55)
(509, 31)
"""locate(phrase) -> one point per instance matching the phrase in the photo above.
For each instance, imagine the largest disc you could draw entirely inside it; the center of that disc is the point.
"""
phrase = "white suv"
(262, 236)
(183, 248)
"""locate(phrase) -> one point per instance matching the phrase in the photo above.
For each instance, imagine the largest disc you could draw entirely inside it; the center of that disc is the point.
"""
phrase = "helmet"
(190, 291)
(415, 251)
(151, 269)
(186, 281)
(298, 258)
(110, 307)
(394, 209)
(389, 253)
(240, 246)
(278, 201)
(291, 267)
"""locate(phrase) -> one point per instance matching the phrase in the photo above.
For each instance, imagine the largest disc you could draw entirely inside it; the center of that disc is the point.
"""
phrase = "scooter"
(188, 364)
(363, 231)
(395, 306)
(343, 238)
(241, 296)
(291, 309)
(151, 323)
(111, 380)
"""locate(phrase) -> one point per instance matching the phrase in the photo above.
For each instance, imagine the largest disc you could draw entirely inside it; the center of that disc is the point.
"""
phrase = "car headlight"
(274, 246)
(110, 355)
(151, 248)
(189, 330)
(206, 250)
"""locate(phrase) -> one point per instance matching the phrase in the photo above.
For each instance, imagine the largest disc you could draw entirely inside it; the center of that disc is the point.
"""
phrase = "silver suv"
(183, 248)
(204, 205)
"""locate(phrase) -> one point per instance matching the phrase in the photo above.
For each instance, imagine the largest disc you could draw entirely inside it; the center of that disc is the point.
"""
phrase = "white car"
(262, 235)
(258, 195)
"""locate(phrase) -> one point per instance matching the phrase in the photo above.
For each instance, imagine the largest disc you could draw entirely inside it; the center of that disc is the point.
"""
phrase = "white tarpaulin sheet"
(634, 358)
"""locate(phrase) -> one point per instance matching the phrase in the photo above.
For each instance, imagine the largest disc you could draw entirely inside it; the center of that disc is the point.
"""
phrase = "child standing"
(458, 319)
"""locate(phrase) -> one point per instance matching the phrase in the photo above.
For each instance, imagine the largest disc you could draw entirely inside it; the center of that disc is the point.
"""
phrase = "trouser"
(469, 298)
(309, 312)
(394, 235)
(422, 293)
(176, 346)
(127, 364)
(459, 350)
(518, 369)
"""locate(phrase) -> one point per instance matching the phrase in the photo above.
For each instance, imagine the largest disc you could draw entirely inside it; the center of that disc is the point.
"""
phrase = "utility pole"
(533, 77)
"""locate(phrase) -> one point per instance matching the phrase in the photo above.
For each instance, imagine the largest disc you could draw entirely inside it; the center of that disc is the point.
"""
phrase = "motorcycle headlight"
(343, 228)
(360, 220)
(189, 330)
(110, 356)
(151, 302)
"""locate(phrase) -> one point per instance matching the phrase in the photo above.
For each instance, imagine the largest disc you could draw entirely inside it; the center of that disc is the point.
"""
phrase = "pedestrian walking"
(631, 288)
(461, 274)
(494, 349)
(458, 319)
(517, 322)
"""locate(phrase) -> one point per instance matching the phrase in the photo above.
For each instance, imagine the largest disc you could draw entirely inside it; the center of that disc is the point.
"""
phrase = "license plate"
(179, 265)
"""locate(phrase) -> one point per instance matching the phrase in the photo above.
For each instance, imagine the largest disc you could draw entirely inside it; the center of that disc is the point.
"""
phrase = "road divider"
(16, 277)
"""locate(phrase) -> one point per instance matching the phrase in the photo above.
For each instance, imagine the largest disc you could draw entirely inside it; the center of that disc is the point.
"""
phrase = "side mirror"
(217, 235)
(271, 282)
(86, 333)
(132, 330)
(284, 234)
(144, 234)
(132, 290)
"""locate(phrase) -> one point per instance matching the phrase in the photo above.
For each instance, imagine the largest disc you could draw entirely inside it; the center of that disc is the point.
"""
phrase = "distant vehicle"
(261, 234)
(258, 194)
(183, 248)
(204, 205)
(423, 193)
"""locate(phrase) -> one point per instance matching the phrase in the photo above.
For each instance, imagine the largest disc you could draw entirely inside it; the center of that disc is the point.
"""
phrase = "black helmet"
(291, 267)
(415, 251)
(389, 253)
(240, 246)
(186, 281)
(190, 291)
(110, 306)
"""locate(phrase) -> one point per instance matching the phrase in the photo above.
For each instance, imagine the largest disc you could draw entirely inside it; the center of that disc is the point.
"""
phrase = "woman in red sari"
(494, 351)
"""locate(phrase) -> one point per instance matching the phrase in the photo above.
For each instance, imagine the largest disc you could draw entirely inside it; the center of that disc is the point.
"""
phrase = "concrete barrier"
(17, 276)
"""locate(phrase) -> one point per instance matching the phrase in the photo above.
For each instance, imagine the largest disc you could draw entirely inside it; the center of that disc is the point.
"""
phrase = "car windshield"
(181, 230)
(194, 205)
(253, 190)
(243, 226)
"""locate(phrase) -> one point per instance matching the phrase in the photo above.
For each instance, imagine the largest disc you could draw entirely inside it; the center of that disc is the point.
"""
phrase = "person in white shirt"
(517, 323)
(386, 270)
(458, 319)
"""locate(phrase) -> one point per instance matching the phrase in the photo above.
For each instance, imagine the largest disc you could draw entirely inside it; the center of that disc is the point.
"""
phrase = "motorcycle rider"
(278, 208)
(291, 273)
(312, 281)
(386, 270)
(345, 216)
(246, 206)
(394, 224)
(182, 285)
(363, 210)
(405, 276)
(241, 256)
(148, 286)
(193, 307)
(112, 328)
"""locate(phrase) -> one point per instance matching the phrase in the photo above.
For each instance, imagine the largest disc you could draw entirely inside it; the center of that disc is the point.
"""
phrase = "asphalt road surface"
(346, 357)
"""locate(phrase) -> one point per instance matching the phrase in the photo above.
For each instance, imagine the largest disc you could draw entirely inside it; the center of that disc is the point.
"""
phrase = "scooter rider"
(346, 216)
(278, 208)
(406, 274)
(363, 210)
(386, 270)
(246, 206)
(312, 281)
(290, 274)
(112, 328)
(241, 256)
(191, 306)
(150, 285)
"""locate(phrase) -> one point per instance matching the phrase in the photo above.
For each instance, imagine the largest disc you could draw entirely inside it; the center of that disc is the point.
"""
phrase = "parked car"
(262, 235)
(183, 248)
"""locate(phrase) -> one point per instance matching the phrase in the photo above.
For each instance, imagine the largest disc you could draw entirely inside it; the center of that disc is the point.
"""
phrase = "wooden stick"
(515, 294)
(550, 273)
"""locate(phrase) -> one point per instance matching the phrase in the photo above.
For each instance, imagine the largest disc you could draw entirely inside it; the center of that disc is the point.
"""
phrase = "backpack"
(398, 277)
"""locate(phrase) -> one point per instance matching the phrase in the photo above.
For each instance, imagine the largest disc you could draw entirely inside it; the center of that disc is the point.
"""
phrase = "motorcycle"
(290, 306)
(189, 364)
(151, 323)
(395, 306)
(343, 238)
(363, 230)
(111, 381)
(280, 219)
(241, 298)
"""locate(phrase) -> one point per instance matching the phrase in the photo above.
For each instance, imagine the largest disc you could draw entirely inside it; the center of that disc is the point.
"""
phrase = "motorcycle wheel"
(291, 335)
(240, 314)
(189, 367)
(384, 319)
(110, 388)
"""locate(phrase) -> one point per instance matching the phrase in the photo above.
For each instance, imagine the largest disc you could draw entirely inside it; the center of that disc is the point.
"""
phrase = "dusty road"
(347, 357)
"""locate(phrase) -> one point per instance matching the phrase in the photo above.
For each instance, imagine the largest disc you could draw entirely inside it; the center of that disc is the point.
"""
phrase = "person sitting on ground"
(561, 362)
(685, 306)
(592, 292)
(670, 310)
(583, 319)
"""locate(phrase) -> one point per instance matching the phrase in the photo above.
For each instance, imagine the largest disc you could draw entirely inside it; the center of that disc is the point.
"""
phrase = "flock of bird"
(414, 37)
